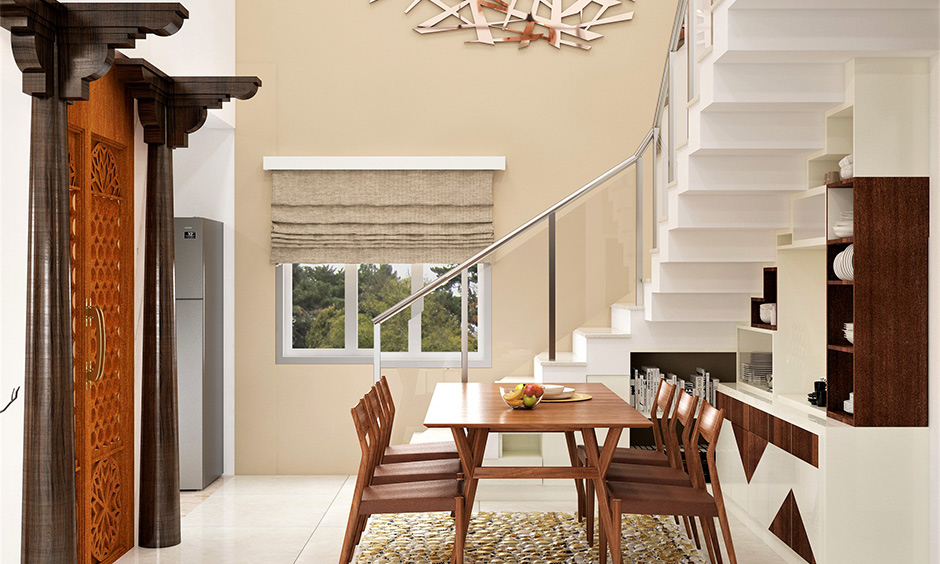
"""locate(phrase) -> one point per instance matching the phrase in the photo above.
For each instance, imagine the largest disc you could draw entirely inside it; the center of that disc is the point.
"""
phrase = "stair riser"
(780, 87)
(736, 211)
(699, 307)
(787, 35)
(698, 246)
(683, 278)
(604, 355)
(755, 132)
(741, 173)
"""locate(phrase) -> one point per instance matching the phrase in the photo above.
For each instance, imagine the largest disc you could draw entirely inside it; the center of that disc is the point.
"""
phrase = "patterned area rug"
(517, 538)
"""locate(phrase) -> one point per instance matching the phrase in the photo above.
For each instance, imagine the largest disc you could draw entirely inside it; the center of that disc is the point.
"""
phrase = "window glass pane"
(380, 287)
(318, 293)
(440, 322)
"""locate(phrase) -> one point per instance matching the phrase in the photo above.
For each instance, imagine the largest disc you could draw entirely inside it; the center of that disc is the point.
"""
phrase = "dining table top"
(479, 405)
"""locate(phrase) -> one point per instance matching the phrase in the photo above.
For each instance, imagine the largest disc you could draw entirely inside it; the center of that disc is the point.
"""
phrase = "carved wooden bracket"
(170, 108)
(86, 35)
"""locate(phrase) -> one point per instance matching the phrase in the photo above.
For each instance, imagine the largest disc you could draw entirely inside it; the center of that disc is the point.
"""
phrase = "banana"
(514, 395)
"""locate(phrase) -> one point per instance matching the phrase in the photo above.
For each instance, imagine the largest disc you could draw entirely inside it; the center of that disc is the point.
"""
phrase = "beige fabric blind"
(380, 216)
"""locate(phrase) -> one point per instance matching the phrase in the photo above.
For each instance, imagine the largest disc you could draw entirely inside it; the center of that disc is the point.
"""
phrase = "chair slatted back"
(368, 441)
(708, 427)
(686, 404)
(374, 402)
(664, 396)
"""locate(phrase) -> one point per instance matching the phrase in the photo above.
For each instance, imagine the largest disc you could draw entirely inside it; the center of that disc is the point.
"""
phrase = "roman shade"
(379, 215)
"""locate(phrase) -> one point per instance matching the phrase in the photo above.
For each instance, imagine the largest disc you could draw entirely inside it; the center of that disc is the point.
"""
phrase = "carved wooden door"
(101, 201)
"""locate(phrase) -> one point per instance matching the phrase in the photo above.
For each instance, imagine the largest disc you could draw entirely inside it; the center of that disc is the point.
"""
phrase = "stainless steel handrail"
(505, 239)
(636, 158)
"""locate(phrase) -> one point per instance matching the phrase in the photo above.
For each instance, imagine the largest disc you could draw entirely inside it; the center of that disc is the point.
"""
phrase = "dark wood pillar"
(159, 523)
(60, 48)
(49, 526)
(169, 109)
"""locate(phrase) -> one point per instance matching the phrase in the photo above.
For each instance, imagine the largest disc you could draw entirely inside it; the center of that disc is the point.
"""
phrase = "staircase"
(763, 85)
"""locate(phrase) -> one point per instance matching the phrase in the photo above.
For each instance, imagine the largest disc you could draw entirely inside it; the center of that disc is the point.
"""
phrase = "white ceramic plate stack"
(849, 404)
(843, 264)
(768, 313)
(849, 332)
(845, 227)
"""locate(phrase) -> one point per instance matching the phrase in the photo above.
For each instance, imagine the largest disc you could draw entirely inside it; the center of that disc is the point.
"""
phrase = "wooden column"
(159, 523)
(169, 109)
(49, 526)
(60, 48)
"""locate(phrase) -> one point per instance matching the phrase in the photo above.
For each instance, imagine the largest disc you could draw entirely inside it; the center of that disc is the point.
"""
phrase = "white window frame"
(351, 354)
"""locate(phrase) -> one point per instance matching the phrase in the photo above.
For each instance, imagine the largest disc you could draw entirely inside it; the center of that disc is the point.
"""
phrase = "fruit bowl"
(522, 396)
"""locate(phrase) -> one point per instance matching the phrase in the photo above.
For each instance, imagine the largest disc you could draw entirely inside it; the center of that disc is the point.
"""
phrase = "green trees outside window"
(319, 307)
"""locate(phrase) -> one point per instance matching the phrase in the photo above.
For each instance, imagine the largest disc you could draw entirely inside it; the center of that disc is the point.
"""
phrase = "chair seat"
(422, 470)
(420, 451)
(656, 499)
(632, 456)
(436, 495)
(648, 475)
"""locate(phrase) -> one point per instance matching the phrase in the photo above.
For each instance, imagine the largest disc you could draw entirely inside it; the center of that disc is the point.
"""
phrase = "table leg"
(601, 461)
(470, 447)
(578, 484)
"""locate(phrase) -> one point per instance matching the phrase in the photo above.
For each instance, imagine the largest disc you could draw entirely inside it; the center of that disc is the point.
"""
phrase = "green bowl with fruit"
(522, 396)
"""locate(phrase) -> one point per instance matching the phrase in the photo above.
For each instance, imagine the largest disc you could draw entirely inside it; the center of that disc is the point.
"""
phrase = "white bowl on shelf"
(841, 231)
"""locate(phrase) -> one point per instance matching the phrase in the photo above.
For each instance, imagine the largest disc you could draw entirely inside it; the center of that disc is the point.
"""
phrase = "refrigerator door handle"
(94, 313)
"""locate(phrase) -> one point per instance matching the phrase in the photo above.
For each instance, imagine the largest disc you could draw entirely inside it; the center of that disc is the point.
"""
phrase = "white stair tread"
(561, 359)
(602, 333)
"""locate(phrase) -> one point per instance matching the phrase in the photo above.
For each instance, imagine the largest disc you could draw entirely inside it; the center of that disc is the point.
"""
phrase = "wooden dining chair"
(399, 472)
(370, 498)
(410, 452)
(665, 394)
(657, 499)
(674, 475)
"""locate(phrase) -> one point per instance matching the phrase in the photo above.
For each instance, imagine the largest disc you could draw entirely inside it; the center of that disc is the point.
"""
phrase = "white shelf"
(800, 403)
(813, 243)
(757, 329)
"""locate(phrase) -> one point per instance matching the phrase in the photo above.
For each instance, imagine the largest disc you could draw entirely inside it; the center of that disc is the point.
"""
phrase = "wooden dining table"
(472, 411)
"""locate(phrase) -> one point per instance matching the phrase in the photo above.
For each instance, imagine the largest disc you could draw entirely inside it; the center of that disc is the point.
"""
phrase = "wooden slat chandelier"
(524, 21)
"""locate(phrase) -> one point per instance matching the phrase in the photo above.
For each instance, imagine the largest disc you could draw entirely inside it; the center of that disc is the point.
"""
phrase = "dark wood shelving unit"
(769, 296)
(886, 367)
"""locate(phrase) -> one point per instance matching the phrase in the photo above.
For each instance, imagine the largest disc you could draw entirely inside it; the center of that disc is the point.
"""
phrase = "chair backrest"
(385, 394)
(708, 427)
(368, 441)
(664, 396)
(379, 412)
(686, 404)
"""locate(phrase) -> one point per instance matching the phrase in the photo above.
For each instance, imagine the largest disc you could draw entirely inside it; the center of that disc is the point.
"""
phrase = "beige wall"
(350, 78)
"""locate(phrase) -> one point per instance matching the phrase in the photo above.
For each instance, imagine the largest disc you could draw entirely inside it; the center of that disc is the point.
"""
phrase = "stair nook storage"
(886, 366)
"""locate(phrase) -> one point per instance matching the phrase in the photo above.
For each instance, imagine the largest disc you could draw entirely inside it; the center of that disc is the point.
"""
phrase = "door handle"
(94, 313)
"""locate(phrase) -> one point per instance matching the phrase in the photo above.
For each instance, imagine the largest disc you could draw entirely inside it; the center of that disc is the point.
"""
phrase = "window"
(325, 315)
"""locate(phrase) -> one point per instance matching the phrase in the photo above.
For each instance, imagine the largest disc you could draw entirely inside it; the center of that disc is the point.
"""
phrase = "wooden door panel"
(101, 140)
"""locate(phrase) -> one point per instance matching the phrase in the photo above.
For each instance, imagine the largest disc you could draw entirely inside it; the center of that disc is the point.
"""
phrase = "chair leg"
(589, 511)
(691, 530)
(459, 530)
(349, 539)
(616, 531)
(601, 543)
(726, 533)
(361, 527)
(710, 543)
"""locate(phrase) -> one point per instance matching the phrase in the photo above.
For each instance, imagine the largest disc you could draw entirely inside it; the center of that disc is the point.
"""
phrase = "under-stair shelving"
(886, 366)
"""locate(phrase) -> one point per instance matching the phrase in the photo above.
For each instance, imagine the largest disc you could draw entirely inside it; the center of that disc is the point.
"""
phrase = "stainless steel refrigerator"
(199, 345)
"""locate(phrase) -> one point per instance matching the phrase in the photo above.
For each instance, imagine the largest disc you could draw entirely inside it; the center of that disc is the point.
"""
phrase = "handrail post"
(639, 230)
(551, 287)
(464, 326)
(377, 351)
(657, 193)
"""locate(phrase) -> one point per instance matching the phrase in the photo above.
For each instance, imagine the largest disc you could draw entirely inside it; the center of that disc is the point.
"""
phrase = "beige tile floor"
(301, 520)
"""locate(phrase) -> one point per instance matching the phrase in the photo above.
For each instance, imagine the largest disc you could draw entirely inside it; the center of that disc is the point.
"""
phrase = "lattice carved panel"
(105, 172)
(104, 290)
(106, 505)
